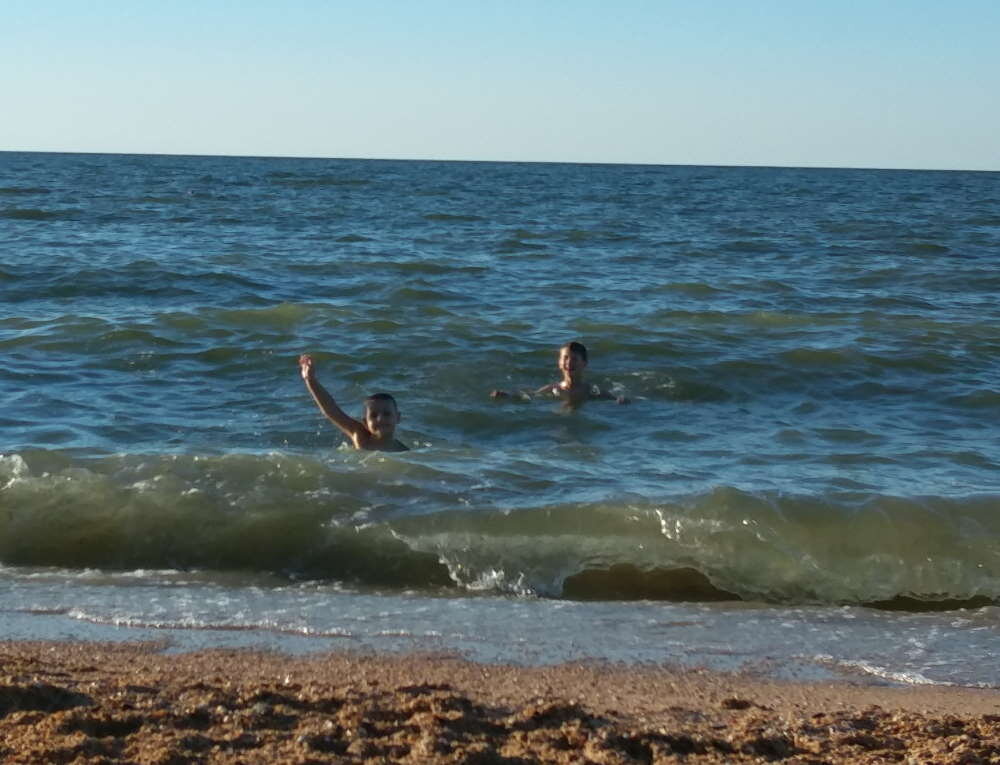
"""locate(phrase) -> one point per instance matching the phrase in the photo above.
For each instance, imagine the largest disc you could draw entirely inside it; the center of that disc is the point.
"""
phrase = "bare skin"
(571, 387)
(376, 433)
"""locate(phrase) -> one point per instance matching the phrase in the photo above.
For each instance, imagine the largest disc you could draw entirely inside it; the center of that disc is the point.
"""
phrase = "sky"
(811, 83)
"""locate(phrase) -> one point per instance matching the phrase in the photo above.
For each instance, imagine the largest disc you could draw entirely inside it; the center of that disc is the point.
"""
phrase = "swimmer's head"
(572, 358)
(381, 415)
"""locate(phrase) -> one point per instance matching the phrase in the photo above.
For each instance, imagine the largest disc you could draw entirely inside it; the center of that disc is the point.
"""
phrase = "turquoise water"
(811, 357)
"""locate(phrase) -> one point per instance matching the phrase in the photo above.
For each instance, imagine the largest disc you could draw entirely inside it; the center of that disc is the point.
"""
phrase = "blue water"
(811, 357)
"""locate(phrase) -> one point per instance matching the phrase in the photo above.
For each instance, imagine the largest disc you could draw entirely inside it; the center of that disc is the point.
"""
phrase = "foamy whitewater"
(806, 481)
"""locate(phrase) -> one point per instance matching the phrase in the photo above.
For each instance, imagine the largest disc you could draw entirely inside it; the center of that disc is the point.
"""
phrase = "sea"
(805, 482)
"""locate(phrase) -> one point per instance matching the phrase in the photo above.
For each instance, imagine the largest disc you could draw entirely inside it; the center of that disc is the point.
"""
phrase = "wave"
(511, 246)
(763, 246)
(381, 521)
(295, 181)
(452, 218)
(983, 398)
(141, 277)
(34, 214)
(23, 190)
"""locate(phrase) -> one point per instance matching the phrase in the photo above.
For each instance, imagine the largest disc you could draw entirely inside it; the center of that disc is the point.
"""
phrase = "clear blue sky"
(861, 83)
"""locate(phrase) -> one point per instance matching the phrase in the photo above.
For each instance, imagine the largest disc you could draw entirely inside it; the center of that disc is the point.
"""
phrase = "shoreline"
(132, 702)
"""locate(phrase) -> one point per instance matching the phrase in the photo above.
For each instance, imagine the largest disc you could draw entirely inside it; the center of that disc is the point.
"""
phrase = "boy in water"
(381, 415)
(571, 388)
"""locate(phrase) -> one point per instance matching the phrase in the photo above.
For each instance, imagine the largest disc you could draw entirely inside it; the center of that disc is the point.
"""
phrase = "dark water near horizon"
(811, 355)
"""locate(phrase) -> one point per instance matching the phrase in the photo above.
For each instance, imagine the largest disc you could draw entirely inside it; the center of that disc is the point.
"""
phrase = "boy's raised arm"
(351, 427)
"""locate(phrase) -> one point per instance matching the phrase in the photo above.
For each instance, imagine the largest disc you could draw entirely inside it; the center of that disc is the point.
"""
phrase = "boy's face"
(571, 363)
(381, 418)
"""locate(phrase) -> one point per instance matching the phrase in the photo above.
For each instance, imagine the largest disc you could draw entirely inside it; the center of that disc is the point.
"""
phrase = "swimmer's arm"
(606, 395)
(351, 428)
(523, 395)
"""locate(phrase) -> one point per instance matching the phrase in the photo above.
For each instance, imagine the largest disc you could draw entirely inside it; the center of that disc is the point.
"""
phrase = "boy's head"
(381, 415)
(573, 358)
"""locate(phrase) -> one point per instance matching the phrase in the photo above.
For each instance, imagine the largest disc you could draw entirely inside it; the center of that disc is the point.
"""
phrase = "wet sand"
(91, 703)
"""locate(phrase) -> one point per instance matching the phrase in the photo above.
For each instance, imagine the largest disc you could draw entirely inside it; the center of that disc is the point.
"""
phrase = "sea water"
(806, 480)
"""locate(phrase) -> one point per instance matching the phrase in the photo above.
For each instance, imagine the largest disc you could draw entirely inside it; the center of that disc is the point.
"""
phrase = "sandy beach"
(93, 703)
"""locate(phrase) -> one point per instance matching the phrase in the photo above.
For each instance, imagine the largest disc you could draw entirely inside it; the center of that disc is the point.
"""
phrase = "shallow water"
(186, 611)
(811, 357)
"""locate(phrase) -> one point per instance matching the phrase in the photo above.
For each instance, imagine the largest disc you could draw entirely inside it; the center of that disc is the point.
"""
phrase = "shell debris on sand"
(94, 703)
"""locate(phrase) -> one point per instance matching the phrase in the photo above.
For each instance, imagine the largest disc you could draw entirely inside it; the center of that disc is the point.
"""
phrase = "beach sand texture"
(92, 703)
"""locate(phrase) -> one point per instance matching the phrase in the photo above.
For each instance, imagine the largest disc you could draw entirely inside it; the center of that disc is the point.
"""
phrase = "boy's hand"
(306, 366)
(622, 400)
(499, 394)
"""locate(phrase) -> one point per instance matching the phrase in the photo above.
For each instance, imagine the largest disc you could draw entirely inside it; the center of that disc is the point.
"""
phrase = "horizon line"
(492, 161)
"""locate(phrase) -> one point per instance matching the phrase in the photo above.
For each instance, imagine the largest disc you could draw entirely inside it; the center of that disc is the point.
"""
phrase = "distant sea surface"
(806, 480)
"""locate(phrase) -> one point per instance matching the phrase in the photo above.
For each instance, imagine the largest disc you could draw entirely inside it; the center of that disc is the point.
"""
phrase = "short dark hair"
(381, 397)
(578, 348)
